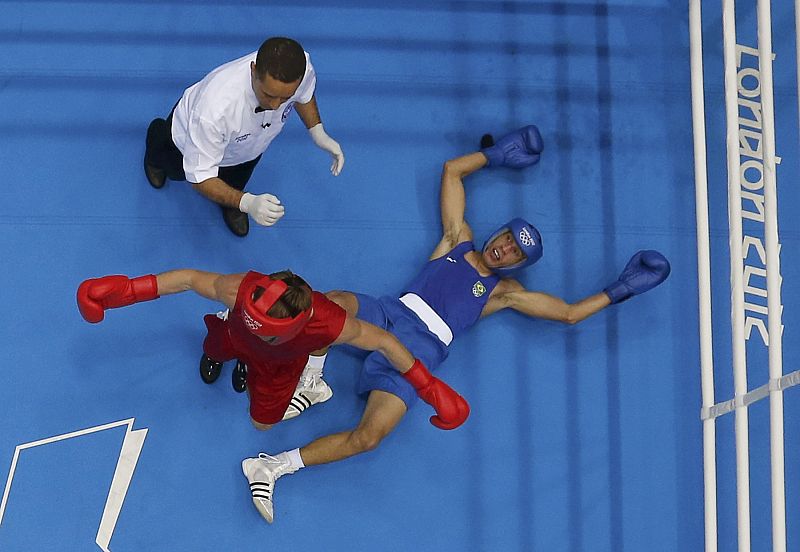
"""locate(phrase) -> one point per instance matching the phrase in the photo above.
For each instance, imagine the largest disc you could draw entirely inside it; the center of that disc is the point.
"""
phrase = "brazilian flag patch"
(478, 289)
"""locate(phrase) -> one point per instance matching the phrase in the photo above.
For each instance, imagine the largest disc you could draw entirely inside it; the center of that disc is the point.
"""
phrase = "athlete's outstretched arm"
(452, 200)
(548, 307)
(98, 294)
(644, 271)
(211, 285)
(510, 294)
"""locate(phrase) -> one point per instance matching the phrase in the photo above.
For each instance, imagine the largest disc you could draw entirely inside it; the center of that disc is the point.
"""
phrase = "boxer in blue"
(458, 286)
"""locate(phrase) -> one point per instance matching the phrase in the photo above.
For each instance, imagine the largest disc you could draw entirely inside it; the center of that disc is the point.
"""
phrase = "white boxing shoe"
(262, 473)
(310, 390)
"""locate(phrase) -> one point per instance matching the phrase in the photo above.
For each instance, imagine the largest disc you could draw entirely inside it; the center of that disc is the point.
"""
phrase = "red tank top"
(276, 369)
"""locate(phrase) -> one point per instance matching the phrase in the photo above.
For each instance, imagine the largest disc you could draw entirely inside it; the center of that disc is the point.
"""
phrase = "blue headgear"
(528, 240)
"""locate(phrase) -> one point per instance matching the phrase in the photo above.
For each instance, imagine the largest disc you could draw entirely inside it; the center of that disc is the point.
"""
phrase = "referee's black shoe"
(236, 221)
(155, 136)
(156, 177)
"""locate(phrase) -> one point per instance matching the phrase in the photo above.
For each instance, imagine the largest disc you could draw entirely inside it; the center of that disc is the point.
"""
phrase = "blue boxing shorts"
(393, 316)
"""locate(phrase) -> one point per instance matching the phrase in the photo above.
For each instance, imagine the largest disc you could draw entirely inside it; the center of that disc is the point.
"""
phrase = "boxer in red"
(272, 324)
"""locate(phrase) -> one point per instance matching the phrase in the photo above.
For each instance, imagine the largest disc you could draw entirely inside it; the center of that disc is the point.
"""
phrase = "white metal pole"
(703, 272)
(773, 276)
(737, 294)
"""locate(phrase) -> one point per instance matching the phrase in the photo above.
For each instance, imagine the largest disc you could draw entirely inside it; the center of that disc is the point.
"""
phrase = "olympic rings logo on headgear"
(251, 324)
(525, 237)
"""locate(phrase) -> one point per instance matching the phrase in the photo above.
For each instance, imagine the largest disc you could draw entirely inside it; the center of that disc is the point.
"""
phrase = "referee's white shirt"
(215, 123)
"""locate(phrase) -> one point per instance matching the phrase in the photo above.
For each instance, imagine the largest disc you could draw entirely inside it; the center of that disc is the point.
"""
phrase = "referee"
(218, 130)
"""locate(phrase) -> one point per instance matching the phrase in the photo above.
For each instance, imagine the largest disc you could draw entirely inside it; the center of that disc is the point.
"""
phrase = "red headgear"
(259, 322)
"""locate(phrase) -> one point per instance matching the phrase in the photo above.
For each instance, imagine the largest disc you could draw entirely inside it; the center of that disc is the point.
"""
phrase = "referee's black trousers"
(162, 153)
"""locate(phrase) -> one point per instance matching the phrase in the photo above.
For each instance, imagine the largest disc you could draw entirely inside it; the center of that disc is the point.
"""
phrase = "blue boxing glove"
(516, 150)
(644, 271)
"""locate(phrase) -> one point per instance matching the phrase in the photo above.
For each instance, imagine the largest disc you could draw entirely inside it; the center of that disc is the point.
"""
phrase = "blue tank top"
(454, 289)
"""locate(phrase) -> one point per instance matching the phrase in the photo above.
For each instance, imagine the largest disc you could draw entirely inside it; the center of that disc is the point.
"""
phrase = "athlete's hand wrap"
(266, 209)
(644, 271)
(323, 141)
(451, 408)
(109, 292)
(517, 149)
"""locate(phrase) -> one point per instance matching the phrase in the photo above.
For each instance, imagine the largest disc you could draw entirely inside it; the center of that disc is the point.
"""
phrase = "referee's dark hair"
(283, 58)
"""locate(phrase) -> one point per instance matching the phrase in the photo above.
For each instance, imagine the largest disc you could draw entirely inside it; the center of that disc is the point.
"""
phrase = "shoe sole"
(261, 509)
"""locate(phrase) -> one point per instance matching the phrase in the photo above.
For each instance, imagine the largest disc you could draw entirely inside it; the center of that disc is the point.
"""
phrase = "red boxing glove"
(98, 294)
(451, 408)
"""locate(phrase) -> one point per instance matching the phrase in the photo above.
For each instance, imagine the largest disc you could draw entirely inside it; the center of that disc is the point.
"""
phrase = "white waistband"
(432, 320)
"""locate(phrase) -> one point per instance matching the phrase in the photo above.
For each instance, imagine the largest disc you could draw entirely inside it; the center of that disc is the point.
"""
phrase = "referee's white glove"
(265, 209)
(322, 140)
